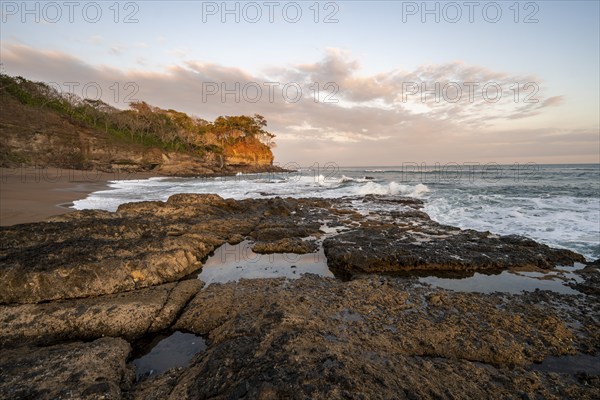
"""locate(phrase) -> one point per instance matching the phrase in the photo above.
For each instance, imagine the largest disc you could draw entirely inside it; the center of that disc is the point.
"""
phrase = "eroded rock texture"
(79, 289)
(95, 370)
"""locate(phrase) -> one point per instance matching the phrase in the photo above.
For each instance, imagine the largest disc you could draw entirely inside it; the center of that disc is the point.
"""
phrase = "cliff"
(249, 152)
(41, 128)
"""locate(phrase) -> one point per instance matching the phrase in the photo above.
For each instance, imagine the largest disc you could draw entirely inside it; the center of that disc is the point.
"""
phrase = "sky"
(357, 83)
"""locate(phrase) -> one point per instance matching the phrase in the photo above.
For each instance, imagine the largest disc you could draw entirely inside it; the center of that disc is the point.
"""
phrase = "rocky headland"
(82, 292)
(41, 126)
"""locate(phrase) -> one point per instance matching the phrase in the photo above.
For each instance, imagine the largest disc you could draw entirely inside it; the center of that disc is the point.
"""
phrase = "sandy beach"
(34, 194)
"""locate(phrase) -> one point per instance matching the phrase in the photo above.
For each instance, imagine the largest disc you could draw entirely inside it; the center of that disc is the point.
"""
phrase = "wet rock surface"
(591, 284)
(80, 288)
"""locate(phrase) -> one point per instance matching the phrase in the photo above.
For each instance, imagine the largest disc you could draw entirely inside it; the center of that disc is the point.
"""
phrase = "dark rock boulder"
(591, 284)
(396, 247)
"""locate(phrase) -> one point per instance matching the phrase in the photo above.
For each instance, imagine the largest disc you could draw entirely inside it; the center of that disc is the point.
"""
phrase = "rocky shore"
(82, 292)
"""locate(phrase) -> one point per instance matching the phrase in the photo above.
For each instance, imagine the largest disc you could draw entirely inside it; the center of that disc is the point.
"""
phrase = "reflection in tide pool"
(175, 350)
(587, 363)
(234, 262)
(556, 280)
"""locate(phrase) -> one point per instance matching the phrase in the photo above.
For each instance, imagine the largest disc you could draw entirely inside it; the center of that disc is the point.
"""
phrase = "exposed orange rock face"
(248, 152)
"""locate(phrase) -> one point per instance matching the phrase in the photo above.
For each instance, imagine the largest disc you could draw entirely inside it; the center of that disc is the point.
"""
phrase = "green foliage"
(10, 158)
(142, 123)
(230, 129)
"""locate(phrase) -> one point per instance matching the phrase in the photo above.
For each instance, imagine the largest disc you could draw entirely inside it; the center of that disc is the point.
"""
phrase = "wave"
(392, 188)
(346, 179)
(248, 187)
(350, 186)
(558, 221)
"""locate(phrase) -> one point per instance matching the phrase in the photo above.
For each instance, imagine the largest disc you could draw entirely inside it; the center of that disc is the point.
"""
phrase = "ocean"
(558, 205)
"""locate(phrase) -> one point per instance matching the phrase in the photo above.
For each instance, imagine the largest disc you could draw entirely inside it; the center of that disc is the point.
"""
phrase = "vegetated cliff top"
(41, 126)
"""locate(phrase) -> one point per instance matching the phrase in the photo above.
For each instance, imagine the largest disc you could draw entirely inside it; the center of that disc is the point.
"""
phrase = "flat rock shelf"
(205, 297)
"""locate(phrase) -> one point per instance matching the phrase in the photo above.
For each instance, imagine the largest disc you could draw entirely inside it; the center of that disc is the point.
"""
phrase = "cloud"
(535, 108)
(372, 122)
(552, 101)
(116, 50)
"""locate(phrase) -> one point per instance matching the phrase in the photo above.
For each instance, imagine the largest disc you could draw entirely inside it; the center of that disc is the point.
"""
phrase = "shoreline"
(34, 194)
(30, 194)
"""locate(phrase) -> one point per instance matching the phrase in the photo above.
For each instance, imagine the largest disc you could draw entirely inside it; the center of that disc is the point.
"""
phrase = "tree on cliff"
(228, 129)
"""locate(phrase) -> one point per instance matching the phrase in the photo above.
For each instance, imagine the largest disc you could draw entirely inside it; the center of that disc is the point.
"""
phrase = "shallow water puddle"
(230, 263)
(586, 363)
(510, 281)
(165, 352)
